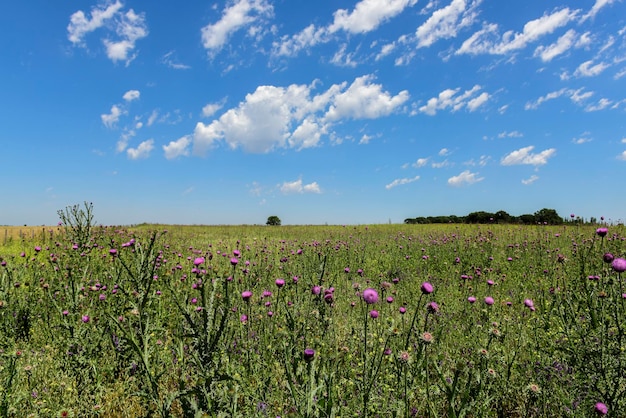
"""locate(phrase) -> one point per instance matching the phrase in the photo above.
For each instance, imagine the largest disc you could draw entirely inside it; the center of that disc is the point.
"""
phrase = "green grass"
(141, 333)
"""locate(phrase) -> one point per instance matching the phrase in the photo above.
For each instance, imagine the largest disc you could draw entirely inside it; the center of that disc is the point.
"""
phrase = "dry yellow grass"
(9, 234)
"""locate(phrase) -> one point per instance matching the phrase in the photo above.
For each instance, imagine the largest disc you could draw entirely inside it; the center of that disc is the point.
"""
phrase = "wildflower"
(619, 265)
(402, 310)
(85, 318)
(432, 307)
(309, 353)
(102, 296)
(234, 261)
(389, 299)
(601, 408)
(243, 318)
(427, 338)
(608, 257)
(370, 296)
(198, 261)
(601, 232)
(316, 290)
(280, 282)
(427, 288)
(246, 295)
(471, 299)
(528, 303)
(113, 252)
(405, 357)
(490, 282)
(489, 300)
(534, 389)
(374, 314)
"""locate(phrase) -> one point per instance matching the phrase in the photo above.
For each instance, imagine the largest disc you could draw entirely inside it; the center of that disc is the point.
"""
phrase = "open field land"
(310, 321)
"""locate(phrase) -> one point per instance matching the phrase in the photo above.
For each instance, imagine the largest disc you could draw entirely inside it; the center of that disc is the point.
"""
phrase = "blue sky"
(339, 112)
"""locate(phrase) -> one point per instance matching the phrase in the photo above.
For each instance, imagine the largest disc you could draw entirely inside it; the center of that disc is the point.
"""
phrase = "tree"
(273, 221)
(549, 216)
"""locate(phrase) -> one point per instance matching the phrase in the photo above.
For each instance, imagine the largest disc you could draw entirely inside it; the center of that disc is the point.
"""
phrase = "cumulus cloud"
(142, 151)
(530, 180)
(561, 46)
(297, 187)
(526, 157)
(80, 25)
(466, 177)
(110, 120)
(446, 22)
(420, 162)
(400, 182)
(238, 15)
(366, 16)
(128, 27)
(589, 69)
(177, 148)
(622, 156)
(212, 108)
(131, 95)
(598, 5)
(293, 117)
(448, 99)
(489, 41)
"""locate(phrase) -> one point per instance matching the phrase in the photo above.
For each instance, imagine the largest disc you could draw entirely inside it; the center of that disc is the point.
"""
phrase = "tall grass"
(153, 321)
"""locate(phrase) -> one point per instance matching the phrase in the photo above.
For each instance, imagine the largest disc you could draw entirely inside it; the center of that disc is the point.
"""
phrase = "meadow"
(313, 321)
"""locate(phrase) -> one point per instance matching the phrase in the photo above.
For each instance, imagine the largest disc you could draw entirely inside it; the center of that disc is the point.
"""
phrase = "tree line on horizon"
(543, 216)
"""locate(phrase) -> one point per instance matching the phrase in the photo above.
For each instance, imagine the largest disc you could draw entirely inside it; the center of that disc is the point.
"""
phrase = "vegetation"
(273, 221)
(319, 321)
(543, 216)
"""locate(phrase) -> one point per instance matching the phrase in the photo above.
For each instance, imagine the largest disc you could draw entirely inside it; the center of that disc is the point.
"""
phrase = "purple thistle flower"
(608, 257)
(601, 232)
(370, 296)
(280, 282)
(113, 252)
(432, 307)
(489, 300)
(619, 265)
(374, 314)
(600, 408)
(316, 290)
(234, 261)
(471, 299)
(389, 299)
(198, 261)
(246, 295)
(85, 318)
(427, 288)
(243, 318)
(528, 303)
(309, 353)
(402, 310)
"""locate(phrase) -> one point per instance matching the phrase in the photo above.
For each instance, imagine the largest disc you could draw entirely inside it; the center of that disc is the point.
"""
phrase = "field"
(314, 321)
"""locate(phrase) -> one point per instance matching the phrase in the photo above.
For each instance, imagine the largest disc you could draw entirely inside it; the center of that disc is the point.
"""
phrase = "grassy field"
(309, 321)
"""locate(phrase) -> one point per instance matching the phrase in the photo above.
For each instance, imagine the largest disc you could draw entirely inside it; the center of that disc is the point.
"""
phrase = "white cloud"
(603, 103)
(109, 120)
(400, 182)
(449, 99)
(129, 27)
(466, 177)
(238, 15)
(588, 69)
(292, 117)
(367, 15)
(421, 162)
(446, 22)
(526, 157)
(153, 117)
(441, 164)
(622, 156)
(562, 45)
(488, 40)
(212, 108)
(142, 151)
(443, 152)
(131, 95)
(80, 25)
(530, 180)
(344, 59)
(171, 61)
(512, 134)
(177, 148)
(599, 4)
(550, 96)
(298, 187)
(365, 100)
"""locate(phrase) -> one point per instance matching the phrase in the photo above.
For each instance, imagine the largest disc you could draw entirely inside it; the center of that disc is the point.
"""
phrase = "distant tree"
(527, 219)
(549, 216)
(273, 221)
(502, 217)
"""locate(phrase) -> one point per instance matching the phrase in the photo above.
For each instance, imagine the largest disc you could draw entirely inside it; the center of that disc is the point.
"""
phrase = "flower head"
(601, 408)
(489, 300)
(608, 257)
(374, 313)
(370, 296)
(529, 303)
(432, 307)
(471, 299)
(309, 353)
(280, 282)
(619, 265)
(198, 261)
(426, 288)
(601, 232)
(246, 295)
